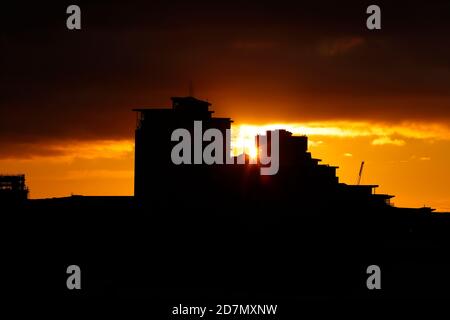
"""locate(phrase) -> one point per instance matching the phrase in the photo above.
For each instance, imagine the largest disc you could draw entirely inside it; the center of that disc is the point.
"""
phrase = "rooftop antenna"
(360, 173)
(191, 89)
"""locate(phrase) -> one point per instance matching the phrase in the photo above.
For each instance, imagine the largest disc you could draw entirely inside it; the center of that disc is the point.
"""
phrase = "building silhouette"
(220, 231)
(13, 189)
(155, 174)
(301, 179)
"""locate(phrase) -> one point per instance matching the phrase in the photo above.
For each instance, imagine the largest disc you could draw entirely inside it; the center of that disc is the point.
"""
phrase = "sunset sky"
(380, 96)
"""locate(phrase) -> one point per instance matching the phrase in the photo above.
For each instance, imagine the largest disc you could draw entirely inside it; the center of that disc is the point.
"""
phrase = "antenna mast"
(360, 173)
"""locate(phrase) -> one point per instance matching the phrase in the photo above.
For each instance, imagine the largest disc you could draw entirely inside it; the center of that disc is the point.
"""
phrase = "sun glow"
(381, 133)
(253, 152)
(408, 160)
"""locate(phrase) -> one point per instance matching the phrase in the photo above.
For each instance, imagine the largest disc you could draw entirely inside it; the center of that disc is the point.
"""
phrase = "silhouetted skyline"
(226, 230)
(379, 96)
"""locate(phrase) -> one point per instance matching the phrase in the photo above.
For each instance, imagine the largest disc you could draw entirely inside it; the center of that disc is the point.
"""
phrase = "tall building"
(156, 177)
(300, 181)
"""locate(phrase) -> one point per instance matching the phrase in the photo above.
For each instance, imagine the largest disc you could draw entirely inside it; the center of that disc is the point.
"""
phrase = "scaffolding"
(13, 187)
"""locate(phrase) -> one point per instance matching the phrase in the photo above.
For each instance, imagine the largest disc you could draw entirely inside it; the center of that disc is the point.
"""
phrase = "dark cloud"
(309, 61)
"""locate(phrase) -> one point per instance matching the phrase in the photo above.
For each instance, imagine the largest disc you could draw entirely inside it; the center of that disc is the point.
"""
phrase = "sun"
(253, 152)
(246, 145)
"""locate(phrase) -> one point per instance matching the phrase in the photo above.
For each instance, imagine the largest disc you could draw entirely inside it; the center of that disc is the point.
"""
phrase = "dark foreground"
(129, 251)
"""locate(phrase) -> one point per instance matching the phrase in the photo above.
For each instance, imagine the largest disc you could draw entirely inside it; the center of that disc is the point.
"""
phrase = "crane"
(360, 173)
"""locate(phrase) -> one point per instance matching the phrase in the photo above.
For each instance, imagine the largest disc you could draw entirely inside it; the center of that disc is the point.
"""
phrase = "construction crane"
(360, 173)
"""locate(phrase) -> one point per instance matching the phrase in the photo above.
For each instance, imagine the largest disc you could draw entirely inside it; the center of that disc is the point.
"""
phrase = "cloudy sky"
(381, 96)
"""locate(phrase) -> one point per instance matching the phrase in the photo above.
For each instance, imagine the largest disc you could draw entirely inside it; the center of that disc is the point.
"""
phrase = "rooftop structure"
(13, 188)
(300, 177)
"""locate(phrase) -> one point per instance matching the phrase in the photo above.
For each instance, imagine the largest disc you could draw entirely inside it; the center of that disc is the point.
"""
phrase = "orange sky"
(314, 68)
(408, 160)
